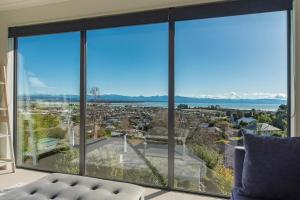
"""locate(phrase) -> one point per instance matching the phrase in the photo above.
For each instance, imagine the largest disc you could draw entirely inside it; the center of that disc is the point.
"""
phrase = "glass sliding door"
(127, 97)
(230, 78)
(48, 102)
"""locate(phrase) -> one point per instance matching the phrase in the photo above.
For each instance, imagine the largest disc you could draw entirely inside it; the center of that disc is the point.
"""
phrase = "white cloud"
(234, 95)
(37, 84)
(265, 95)
(31, 74)
(230, 95)
(254, 95)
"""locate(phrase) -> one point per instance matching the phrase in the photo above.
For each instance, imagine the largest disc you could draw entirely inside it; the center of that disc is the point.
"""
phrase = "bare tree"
(94, 113)
(95, 91)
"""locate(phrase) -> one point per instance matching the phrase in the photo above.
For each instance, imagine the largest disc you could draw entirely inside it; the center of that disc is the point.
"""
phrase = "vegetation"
(67, 162)
(264, 118)
(223, 177)
(280, 118)
(103, 133)
(76, 119)
(40, 126)
(205, 131)
(57, 133)
(210, 156)
(182, 106)
(279, 134)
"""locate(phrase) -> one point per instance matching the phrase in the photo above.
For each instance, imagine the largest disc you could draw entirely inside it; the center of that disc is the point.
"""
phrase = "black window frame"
(170, 16)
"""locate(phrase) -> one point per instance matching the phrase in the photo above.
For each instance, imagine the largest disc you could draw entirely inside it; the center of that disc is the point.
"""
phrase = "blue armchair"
(239, 156)
(269, 170)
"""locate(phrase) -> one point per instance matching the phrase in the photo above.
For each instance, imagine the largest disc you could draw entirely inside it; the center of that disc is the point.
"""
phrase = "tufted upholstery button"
(95, 187)
(73, 184)
(54, 196)
(116, 191)
(33, 192)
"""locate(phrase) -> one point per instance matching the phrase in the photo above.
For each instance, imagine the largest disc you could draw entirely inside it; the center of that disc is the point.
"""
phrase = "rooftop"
(262, 127)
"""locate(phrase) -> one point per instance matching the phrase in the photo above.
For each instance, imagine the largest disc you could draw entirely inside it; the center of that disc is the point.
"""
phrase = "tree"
(125, 124)
(253, 112)
(239, 114)
(94, 91)
(283, 107)
(264, 118)
(223, 125)
(33, 106)
(182, 106)
(57, 133)
(228, 113)
(248, 114)
(280, 120)
(76, 119)
(214, 107)
(243, 124)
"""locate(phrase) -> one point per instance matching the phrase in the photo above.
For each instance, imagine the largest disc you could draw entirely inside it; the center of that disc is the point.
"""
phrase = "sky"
(229, 57)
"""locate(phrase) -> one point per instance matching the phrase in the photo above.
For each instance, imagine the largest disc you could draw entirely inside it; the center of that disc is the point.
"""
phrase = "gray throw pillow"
(271, 168)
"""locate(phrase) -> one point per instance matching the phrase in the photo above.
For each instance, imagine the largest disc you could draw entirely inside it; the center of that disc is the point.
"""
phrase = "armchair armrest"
(239, 155)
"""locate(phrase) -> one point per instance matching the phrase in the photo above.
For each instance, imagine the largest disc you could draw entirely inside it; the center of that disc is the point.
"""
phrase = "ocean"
(162, 101)
(230, 105)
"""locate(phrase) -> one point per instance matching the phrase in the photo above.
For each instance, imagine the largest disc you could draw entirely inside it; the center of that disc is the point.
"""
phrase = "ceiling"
(6, 5)
(16, 4)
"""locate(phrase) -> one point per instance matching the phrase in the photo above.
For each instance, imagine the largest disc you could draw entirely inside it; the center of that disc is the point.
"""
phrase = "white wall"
(2, 52)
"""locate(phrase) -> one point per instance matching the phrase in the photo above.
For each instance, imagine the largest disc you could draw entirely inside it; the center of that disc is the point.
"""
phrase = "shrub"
(107, 133)
(279, 134)
(224, 179)
(76, 119)
(45, 121)
(210, 156)
(67, 162)
(182, 106)
(57, 133)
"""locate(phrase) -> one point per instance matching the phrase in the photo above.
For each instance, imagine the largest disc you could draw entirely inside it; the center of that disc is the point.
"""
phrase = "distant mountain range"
(178, 99)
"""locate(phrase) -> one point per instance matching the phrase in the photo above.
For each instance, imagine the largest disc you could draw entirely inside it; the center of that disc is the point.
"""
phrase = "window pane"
(231, 77)
(48, 102)
(126, 122)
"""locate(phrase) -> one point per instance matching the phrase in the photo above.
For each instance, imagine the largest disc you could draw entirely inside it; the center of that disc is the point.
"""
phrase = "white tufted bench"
(71, 187)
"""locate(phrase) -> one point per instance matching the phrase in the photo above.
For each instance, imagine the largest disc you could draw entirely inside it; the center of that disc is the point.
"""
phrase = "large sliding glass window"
(48, 103)
(127, 97)
(230, 78)
(99, 102)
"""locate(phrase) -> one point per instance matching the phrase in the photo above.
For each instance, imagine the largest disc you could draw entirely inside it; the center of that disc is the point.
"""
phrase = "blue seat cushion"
(271, 168)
